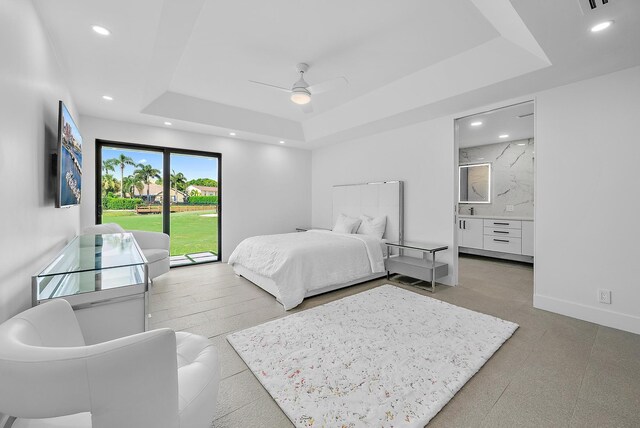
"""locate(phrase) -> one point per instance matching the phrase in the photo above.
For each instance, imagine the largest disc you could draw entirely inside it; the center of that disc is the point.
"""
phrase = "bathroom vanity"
(494, 236)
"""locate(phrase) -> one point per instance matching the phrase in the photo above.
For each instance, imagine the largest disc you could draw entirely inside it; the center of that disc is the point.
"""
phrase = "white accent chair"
(154, 245)
(154, 379)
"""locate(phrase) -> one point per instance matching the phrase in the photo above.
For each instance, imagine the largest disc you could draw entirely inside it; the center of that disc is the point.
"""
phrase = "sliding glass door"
(162, 190)
(194, 208)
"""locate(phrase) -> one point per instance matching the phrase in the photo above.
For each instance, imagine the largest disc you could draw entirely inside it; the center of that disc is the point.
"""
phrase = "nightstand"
(306, 228)
(424, 269)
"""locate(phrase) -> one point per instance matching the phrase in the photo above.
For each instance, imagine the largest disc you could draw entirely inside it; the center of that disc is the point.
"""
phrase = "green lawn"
(190, 231)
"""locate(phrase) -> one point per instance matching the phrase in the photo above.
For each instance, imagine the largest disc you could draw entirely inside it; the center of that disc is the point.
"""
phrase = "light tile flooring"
(555, 371)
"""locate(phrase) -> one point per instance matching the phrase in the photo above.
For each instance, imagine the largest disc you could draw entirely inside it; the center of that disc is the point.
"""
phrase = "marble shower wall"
(511, 175)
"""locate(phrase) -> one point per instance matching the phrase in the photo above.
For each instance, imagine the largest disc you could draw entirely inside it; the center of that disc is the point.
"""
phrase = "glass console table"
(105, 279)
(423, 268)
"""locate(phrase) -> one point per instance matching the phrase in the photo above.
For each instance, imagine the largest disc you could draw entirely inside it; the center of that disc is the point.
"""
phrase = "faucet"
(471, 210)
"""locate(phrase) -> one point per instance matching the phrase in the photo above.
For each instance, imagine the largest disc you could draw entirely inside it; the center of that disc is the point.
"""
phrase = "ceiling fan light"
(300, 96)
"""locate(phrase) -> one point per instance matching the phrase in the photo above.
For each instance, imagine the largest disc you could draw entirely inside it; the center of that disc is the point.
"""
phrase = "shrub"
(203, 200)
(202, 182)
(121, 203)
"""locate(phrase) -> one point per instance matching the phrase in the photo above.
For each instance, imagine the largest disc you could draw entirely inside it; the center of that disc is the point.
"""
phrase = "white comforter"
(302, 262)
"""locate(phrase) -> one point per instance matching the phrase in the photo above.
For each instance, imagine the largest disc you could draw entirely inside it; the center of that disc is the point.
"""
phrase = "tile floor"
(554, 372)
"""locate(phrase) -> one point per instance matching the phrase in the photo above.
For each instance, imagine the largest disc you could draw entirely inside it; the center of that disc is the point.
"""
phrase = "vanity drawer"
(503, 244)
(501, 231)
(506, 224)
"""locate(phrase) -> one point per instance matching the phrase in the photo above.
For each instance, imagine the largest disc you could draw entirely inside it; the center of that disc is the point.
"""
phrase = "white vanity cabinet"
(503, 236)
(500, 237)
(470, 232)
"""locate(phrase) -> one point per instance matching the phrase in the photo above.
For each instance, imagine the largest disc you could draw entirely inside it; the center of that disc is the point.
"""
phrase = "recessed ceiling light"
(281, 142)
(522, 144)
(480, 158)
(601, 26)
(503, 136)
(168, 123)
(101, 30)
(107, 97)
(478, 123)
(233, 134)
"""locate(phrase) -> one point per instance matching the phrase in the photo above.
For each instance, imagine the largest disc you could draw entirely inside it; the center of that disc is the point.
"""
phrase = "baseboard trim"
(496, 254)
(600, 316)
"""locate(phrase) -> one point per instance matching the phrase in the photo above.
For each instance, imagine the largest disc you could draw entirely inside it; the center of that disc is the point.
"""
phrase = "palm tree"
(178, 180)
(122, 160)
(107, 165)
(146, 173)
(131, 183)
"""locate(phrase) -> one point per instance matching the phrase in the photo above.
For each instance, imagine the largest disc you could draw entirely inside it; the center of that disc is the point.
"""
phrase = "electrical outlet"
(604, 296)
(510, 208)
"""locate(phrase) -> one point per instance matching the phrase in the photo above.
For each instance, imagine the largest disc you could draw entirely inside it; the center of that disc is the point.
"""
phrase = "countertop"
(495, 217)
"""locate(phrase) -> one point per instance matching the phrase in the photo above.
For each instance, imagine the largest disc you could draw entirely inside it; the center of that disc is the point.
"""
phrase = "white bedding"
(302, 262)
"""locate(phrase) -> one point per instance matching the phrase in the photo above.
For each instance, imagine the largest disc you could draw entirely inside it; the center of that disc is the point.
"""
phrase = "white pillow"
(345, 224)
(372, 226)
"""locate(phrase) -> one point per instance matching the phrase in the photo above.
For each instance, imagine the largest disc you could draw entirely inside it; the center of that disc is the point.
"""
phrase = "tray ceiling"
(190, 62)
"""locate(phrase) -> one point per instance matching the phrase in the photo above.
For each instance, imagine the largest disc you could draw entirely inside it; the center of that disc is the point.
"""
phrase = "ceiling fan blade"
(271, 86)
(328, 85)
(307, 108)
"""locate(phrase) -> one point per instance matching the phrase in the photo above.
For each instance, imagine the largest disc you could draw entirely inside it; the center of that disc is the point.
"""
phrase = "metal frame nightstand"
(424, 269)
(306, 228)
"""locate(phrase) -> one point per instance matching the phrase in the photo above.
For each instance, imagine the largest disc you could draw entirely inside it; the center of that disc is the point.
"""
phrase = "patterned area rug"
(386, 357)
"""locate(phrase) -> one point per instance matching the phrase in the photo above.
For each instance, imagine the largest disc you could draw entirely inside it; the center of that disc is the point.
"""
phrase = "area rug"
(386, 357)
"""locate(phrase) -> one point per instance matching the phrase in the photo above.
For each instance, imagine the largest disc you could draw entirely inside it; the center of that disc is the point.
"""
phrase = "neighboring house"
(154, 191)
(177, 196)
(156, 194)
(202, 190)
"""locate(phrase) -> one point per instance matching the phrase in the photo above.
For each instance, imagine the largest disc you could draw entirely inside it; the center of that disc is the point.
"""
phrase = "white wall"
(31, 84)
(265, 188)
(421, 155)
(588, 157)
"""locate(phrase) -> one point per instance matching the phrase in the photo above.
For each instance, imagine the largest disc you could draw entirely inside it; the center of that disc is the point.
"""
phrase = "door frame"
(456, 160)
(166, 180)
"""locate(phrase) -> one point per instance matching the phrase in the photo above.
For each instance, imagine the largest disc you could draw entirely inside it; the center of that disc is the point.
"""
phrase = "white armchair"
(154, 245)
(154, 379)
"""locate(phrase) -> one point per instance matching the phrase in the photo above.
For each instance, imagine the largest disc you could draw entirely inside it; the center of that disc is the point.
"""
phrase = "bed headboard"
(373, 199)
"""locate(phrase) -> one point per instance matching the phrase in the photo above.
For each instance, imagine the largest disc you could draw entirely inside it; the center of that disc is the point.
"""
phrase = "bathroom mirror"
(475, 184)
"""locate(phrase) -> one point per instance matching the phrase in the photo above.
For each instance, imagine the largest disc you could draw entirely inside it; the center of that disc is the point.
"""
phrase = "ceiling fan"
(301, 92)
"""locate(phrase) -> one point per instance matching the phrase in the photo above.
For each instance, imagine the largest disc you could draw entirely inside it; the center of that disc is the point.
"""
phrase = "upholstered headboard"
(373, 199)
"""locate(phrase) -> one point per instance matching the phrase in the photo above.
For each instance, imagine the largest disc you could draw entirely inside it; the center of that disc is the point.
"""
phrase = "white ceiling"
(371, 43)
(504, 121)
(190, 62)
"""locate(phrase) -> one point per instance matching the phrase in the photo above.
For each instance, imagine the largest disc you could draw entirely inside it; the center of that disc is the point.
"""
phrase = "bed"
(293, 266)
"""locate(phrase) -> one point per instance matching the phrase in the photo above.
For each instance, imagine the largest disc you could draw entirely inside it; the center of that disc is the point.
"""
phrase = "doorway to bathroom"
(495, 176)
